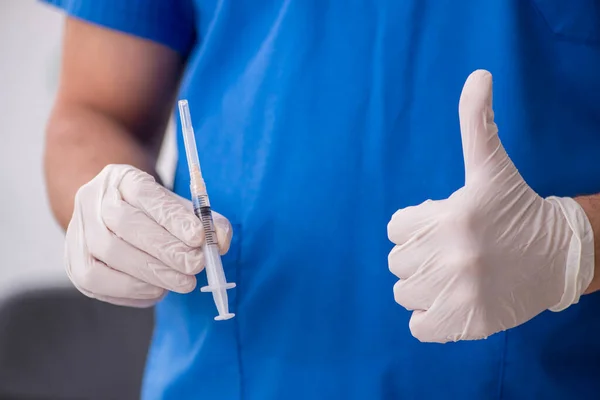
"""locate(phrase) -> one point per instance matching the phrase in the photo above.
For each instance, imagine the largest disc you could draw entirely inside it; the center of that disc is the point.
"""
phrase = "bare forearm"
(80, 142)
(591, 206)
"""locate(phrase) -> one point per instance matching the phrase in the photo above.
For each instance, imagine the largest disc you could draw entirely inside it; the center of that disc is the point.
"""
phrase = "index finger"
(164, 207)
(408, 221)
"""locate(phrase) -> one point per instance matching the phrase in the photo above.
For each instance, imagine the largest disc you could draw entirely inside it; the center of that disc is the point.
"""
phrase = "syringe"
(217, 283)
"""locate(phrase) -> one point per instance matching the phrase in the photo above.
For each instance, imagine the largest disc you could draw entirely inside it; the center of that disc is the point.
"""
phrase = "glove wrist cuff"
(579, 269)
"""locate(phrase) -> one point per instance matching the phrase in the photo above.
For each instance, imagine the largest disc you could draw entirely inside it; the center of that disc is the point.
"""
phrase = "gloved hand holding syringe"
(217, 283)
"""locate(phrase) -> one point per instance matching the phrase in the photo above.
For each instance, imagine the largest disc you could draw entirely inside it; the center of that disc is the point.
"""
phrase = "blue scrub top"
(315, 121)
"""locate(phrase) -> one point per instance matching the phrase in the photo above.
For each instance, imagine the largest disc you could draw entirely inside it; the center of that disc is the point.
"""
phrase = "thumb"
(482, 150)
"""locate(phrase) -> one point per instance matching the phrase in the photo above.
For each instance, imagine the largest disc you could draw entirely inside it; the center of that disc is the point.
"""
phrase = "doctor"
(316, 123)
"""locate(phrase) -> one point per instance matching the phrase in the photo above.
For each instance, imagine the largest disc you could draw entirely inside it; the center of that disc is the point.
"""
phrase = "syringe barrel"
(204, 213)
(214, 267)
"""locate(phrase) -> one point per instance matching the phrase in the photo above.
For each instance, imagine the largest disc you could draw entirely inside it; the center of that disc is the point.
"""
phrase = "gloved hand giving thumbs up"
(494, 254)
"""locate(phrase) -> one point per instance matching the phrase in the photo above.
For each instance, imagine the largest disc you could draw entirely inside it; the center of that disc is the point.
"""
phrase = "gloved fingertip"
(419, 328)
(392, 259)
(154, 292)
(224, 234)
(185, 284)
(224, 248)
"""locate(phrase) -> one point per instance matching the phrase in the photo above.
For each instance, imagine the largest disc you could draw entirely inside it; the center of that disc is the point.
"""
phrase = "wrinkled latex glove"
(130, 239)
(494, 254)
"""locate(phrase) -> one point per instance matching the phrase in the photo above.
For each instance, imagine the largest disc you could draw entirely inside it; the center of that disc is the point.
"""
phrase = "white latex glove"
(494, 254)
(130, 239)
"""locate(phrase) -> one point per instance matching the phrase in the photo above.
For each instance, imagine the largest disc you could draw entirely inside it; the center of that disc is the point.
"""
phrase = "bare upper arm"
(131, 80)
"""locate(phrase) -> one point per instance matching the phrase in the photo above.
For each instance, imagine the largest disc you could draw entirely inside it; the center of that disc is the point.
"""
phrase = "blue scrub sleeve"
(168, 22)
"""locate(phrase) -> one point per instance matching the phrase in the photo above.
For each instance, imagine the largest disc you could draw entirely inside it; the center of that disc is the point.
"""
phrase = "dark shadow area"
(58, 344)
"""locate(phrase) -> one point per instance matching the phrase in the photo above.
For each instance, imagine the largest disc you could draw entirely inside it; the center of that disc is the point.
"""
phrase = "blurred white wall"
(31, 242)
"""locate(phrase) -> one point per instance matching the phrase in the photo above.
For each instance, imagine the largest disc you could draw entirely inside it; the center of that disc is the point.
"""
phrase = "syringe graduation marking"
(204, 213)
(208, 225)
